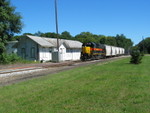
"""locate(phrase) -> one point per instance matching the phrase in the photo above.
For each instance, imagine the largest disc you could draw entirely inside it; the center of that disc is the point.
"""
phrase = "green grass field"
(112, 87)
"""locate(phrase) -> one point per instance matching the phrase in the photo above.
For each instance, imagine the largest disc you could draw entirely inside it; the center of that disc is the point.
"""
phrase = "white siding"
(62, 51)
(45, 54)
(73, 54)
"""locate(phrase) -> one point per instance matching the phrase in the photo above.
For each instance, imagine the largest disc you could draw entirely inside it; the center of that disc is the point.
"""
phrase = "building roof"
(41, 41)
(52, 42)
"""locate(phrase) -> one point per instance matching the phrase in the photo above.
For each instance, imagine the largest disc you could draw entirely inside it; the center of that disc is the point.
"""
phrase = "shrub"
(9, 58)
(4, 59)
(136, 56)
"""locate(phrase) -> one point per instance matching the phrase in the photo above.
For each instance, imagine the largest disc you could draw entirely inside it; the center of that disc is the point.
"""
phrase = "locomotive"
(91, 51)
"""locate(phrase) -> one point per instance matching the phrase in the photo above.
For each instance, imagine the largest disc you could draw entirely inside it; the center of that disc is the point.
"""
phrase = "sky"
(101, 17)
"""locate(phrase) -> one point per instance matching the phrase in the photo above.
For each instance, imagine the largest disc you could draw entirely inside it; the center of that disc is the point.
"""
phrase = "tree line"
(84, 37)
(144, 45)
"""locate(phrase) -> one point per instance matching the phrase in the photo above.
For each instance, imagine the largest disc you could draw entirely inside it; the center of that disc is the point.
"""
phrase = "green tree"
(136, 56)
(39, 33)
(122, 41)
(49, 34)
(102, 39)
(109, 40)
(10, 23)
(144, 45)
(66, 35)
(86, 37)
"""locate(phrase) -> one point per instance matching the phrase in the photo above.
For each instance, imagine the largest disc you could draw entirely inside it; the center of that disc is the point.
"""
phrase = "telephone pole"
(56, 20)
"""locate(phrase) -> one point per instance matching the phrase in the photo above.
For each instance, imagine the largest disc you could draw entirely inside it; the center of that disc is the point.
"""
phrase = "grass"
(114, 87)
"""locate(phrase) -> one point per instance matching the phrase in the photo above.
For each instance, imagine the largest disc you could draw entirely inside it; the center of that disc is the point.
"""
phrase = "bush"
(2, 48)
(136, 56)
(9, 58)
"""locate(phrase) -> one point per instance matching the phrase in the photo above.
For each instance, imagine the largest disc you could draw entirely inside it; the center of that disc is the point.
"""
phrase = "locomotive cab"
(86, 51)
(92, 51)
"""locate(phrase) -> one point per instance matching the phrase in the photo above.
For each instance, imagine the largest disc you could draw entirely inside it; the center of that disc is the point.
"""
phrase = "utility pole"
(143, 45)
(56, 19)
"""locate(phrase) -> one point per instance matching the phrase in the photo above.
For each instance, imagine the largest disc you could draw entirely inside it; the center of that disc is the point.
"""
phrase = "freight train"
(92, 51)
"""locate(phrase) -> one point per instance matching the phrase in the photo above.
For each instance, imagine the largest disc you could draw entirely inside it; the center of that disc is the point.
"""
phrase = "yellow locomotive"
(92, 51)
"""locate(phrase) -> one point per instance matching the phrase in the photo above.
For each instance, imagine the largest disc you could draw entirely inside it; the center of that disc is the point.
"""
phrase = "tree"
(39, 33)
(66, 35)
(122, 41)
(144, 45)
(49, 34)
(136, 56)
(86, 37)
(10, 23)
(102, 39)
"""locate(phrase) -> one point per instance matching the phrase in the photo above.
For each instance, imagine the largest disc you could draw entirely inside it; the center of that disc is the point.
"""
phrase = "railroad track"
(42, 67)
(31, 69)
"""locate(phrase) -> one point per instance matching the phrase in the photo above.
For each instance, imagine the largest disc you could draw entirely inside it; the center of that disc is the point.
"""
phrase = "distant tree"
(39, 33)
(10, 23)
(66, 35)
(86, 37)
(49, 34)
(16, 38)
(103, 39)
(144, 45)
(122, 41)
(109, 40)
(24, 34)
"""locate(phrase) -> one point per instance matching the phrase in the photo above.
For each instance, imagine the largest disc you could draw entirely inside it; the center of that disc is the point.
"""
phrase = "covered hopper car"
(92, 50)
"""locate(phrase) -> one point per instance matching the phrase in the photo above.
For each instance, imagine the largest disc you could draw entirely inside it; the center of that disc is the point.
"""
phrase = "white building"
(41, 48)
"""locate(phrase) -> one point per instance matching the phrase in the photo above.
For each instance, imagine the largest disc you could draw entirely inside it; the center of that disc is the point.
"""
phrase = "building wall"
(45, 54)
(28, 49)
(69, 54)
(62, 50)
(9, 47)
(73, 54)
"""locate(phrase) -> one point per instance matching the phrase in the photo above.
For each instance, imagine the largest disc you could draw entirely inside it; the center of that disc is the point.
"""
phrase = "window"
(67, 50)
(23, 52)
(33, 52)
(50, 50)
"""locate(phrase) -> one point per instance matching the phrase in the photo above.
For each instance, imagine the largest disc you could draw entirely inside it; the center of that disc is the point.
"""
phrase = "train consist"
(96, 51)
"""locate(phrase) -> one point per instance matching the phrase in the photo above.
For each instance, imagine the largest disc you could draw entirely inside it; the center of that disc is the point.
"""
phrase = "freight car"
(96, 51)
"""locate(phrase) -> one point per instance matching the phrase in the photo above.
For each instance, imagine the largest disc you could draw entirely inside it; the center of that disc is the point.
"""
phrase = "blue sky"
(105, 17)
